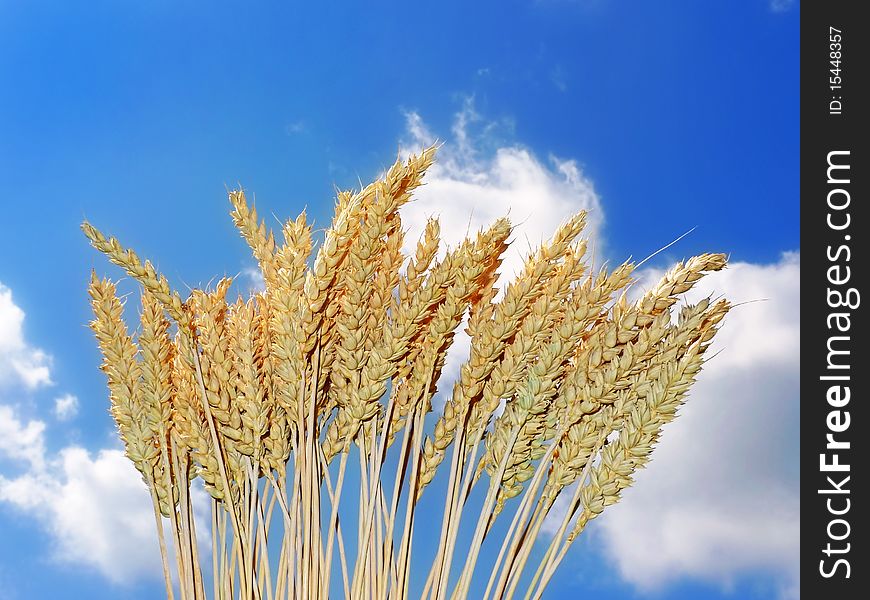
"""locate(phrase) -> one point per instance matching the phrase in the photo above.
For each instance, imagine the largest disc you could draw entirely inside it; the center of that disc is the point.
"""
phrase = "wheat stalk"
(273, 399)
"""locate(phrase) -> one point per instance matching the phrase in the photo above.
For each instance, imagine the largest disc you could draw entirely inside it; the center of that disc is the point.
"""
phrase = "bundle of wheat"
(265, 399)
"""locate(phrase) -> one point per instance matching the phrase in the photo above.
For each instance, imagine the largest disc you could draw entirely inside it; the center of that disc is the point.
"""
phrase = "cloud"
(781, 6)
(255, 281)
(19, 361)
(720, 498)
(559, 78)
(21, 441)
(96, 508)
(478, 179)
(98, 512)
(296, 127)
(66, 407)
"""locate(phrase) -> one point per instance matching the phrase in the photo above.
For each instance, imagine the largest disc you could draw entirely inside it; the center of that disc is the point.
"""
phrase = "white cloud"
(255, 281)
(473, 183)
(476, 180)
(19, 362)
(296, 127)
(558, 77)
(720, 496)
(780, 6)
(97, 510)
(21, 441)
(66, 407)
(95, 507)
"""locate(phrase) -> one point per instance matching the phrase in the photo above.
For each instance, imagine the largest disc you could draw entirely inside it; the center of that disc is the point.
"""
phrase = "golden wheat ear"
(303, 409)
(144, 273)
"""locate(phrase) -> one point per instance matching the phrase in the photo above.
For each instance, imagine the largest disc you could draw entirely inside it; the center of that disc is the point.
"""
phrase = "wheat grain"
(567, 387)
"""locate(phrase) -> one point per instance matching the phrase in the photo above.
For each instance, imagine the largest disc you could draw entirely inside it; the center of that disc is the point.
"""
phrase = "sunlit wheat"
(282, 401)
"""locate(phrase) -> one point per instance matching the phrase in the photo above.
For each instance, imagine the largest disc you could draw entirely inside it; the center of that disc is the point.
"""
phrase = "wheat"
(259, 238)
(565, 392)
(123, 372)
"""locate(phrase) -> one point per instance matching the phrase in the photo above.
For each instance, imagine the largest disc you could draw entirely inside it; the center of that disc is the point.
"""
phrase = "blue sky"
(661, 116)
